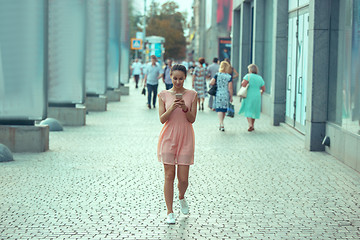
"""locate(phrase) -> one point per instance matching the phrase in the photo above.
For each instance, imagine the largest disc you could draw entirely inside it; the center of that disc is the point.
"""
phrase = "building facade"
(211, 23)
(308, 54)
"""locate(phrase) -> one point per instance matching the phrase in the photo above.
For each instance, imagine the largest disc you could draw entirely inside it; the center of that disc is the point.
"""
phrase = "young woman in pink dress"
(177, 109)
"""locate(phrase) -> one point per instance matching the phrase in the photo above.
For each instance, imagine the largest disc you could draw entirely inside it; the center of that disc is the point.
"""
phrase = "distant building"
(210, 29)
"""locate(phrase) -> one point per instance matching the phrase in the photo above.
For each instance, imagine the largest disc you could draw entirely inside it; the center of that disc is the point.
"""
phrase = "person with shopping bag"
(224, 92)
(251, 104)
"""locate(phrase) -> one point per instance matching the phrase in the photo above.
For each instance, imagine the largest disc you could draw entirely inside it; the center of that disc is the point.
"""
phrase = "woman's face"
(178, 78)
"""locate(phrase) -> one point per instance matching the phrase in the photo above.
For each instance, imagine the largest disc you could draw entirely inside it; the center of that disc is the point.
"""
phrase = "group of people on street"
(222, 74)
(151, 73)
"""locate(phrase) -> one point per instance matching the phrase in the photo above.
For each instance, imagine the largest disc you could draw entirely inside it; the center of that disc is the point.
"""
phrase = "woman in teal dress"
(251, 105)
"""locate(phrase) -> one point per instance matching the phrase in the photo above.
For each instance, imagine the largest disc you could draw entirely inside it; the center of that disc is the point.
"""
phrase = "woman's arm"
(235, 73)
(193, 81)
(230, 88)
(190, 114)
(263, 89)
(213, 81)
(244, 83)
(145, 78)
(165, 114)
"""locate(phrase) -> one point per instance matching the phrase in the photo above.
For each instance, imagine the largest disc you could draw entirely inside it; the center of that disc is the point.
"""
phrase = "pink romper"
(177, 139)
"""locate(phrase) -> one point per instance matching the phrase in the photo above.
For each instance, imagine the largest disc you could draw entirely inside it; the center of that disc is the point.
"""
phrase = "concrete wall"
(244, 39)
(266, 71)
(235, 50)
(344, 145)
(266, 104)
(279, 61)
(211, 35)
(202, 36)
(259, 35)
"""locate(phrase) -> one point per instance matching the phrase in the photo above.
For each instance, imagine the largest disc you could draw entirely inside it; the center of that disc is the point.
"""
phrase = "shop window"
(344, 90)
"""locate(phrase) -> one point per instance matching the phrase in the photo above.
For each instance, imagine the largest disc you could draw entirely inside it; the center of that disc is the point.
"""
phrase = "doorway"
(297, 61)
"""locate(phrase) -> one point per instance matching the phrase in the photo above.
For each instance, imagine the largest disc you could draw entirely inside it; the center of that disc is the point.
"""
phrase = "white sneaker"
(184, 207)
(170, 218)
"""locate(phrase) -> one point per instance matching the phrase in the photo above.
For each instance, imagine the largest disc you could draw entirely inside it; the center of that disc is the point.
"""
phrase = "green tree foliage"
(166, 21)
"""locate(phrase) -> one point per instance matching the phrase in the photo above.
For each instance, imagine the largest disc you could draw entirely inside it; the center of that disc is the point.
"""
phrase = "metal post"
(144, 32)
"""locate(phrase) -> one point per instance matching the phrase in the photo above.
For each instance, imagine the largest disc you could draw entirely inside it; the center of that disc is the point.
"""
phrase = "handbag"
(243, 90)
(212, 90)
(143, 92)
(230, 110)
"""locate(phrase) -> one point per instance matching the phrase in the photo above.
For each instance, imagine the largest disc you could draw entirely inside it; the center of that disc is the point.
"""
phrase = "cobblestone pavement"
(103, 181)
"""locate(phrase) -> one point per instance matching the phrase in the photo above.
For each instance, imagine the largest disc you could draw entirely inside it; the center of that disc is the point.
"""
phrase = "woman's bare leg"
(183, 177)
(169, 186)
(253, 122)
(250, 122)
(221, 116)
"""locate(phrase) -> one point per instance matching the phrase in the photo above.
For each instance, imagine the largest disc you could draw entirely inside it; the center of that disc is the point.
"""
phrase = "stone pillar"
(279, 60)
(244, 38)
(318, 74)
(259, 34)
(235, 42)
(202, 29)
(214, 29)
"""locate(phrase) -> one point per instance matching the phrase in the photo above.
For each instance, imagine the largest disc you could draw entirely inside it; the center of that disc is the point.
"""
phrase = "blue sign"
(136, 43)
(157, 49)
(139, 35)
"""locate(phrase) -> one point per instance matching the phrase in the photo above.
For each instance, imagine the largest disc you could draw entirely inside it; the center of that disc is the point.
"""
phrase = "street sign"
(139, 35)
(136, 44)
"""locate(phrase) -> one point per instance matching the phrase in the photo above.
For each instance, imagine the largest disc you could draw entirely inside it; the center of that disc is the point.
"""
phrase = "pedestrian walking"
(166, 75)
(177, 109)
(251, 105)
(234, 74)
(151, 81)
(186, 64)
(223, 93)
(212, 70)
(143, 67)
(136, 68)
(191, 67)
(199, 82)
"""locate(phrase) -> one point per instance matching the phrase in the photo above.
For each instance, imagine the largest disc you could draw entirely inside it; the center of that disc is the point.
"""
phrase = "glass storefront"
(344, 90)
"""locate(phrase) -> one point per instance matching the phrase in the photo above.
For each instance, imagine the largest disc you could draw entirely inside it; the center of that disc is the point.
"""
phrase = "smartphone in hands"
(178, 96)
